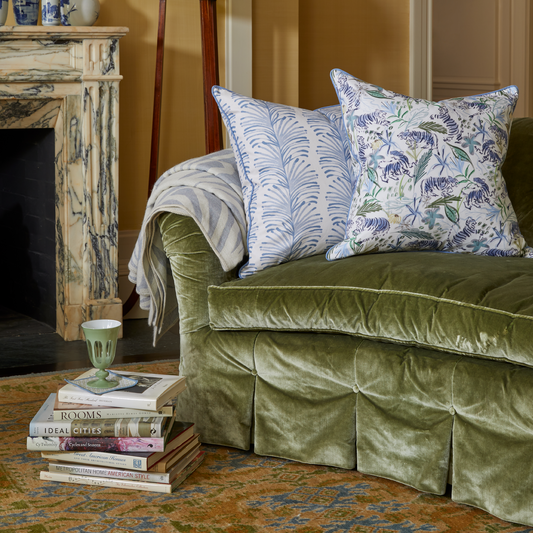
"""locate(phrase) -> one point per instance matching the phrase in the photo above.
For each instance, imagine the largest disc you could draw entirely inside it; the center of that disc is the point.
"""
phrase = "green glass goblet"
(101, 337)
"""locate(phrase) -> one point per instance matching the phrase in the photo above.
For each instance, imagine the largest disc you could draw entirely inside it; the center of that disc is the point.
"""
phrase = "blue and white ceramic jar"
(3, 11)
(79, 12)
(50, 15)
(26, 12)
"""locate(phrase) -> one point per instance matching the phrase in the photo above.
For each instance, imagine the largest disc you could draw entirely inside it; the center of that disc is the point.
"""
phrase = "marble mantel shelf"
(61, 32)
(67, 78)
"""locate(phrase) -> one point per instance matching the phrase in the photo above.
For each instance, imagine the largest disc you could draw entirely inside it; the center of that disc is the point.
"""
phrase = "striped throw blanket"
(208, 190)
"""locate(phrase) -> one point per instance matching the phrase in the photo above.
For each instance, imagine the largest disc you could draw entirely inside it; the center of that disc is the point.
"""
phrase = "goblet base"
(102, 382)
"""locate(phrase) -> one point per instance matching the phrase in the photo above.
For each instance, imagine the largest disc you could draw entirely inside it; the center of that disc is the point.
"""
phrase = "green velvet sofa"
(414, 366)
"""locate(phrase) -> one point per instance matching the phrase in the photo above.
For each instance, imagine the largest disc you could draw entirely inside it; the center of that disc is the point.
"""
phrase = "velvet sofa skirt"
(387, 409)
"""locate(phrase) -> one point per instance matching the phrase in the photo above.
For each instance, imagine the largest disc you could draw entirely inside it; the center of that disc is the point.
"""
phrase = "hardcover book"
(102, 471)
(185, 461)
(180, 432)
(79, 411)
(151, 392)
(169, 461)
(103, 444)
(124, 483)
(118, 473)
(44, 425)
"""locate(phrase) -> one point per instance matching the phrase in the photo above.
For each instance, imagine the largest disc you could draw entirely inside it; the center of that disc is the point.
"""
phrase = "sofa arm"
(194, 268)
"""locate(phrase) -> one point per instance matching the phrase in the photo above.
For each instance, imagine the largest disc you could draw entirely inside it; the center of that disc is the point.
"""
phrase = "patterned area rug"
(232, 491)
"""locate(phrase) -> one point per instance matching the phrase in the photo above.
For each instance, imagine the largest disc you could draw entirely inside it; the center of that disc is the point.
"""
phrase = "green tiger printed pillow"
(430, 172)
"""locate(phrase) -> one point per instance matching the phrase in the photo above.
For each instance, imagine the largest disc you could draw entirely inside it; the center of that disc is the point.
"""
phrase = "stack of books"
(126, 438)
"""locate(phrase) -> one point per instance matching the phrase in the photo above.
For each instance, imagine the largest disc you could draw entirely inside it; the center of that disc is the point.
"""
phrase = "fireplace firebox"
(27, 223)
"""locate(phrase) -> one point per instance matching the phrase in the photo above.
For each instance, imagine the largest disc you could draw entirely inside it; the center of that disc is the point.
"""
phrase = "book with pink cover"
(99, 444)
(180, 433)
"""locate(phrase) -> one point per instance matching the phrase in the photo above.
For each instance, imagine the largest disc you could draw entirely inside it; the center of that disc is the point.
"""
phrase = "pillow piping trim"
(233, 136)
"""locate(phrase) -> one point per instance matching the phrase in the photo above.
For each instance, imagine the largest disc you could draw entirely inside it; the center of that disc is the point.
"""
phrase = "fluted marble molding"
(67, 78)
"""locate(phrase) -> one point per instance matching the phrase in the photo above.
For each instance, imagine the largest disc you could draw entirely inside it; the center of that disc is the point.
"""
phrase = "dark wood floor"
(28, 346)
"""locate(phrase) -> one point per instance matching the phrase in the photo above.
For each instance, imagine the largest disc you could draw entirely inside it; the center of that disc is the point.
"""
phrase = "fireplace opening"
(27, 223)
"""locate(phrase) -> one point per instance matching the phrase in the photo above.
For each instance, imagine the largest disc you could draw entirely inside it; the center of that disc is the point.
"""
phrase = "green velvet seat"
(465, 304)
(410, 366)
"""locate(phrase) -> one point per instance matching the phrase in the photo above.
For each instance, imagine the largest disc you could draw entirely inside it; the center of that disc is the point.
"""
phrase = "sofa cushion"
(295, 175)
(431, 172)
(460, 303)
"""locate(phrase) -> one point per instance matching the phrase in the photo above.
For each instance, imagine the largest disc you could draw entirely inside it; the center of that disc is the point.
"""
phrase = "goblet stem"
(102, 382)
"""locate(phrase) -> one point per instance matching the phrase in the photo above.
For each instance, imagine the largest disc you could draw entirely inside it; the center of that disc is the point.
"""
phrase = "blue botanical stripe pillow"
(296, 178)
(334, 113)
(430, 172)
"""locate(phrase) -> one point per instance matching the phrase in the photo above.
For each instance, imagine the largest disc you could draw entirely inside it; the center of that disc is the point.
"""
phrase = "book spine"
(195, 463)
(105, 482)
(100, 459)
(97, 414)
(104, 444)
(164, 464)
(49, 428)
(115, 427)
(184, 462)
(115, 473)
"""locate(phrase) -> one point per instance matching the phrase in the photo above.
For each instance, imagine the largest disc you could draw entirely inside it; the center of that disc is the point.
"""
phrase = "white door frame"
(514, 50)
(420, 48)
(239, 46)
(238, 49)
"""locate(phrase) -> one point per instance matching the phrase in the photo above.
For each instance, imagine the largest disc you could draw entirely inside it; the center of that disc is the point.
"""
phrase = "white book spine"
(43, 424)
(105, 482)
(115, 473)
(100, 459)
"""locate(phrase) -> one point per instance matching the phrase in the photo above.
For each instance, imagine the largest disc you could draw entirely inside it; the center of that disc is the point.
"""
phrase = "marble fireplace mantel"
(67, 78)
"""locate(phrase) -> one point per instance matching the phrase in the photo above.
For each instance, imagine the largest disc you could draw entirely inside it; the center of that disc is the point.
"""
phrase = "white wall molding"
(238, 48)
(514, 49)
(492, 49)
(444, 88)
(465, 80)
(420, 48)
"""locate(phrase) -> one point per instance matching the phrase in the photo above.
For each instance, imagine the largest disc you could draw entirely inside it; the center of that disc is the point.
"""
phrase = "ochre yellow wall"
(182, 124)
(368, 39)
(296, 43)
(275, 50)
